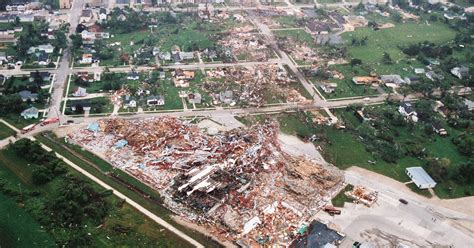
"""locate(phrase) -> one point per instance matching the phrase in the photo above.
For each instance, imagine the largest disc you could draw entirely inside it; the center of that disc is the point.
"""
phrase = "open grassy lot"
(287, 21)
(123, 225)
(18, 228)
(299, 35)
(5, 131)
(126, 184)
(341, 198)
(388, 40)
(345, 87)
(20, 122)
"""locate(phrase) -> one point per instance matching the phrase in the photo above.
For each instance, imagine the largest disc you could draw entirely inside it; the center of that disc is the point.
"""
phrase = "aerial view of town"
(237, 123)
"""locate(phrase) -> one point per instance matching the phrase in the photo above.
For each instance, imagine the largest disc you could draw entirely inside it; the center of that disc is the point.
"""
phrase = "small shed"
(419, 176)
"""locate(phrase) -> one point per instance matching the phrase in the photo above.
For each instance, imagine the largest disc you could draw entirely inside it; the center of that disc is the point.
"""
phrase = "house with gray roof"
(28, 95)
(30, 113)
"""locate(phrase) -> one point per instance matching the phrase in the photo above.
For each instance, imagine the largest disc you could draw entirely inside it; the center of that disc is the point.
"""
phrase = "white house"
(86, 35)
(129, 102)
(460, 72)
(419, 176)
(80, 92)
(155, 101)
(102, 15)
(86, 59)
(133, 75)
(48, 48)
(30, 113)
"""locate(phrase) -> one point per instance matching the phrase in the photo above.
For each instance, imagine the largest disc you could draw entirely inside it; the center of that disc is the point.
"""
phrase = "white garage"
(419, 176)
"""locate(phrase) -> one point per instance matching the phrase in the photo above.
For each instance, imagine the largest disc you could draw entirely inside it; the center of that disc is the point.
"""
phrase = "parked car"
(403, 201)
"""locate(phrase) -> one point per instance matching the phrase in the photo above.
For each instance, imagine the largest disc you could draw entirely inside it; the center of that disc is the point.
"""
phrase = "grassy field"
(139, 230)
(341, 198)
(18, 228)
(287, 21)
(19, 122)
(129, 186)
(345, 87)
(5, 131)
(299, 35)
(388, 40)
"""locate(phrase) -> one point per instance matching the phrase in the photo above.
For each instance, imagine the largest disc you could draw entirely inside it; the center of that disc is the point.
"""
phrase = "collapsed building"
(252, 86)
(246, 46)
(239, 183)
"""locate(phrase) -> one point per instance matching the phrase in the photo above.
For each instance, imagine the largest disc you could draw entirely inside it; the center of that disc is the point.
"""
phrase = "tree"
(76, 41)
(438, 168)
(386, 59)
(465, 172)
(355, 62)
(60, 40)
(465, 143)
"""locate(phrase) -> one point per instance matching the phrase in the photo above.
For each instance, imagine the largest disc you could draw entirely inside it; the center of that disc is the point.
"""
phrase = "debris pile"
(246, 46)
(363, 195)
(239, 183)
(253, 86)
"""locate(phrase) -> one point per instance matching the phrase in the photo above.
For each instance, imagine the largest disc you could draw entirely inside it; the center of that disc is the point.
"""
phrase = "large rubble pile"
(252, 86)
(363, 195)
(238, 183)
(246, 45)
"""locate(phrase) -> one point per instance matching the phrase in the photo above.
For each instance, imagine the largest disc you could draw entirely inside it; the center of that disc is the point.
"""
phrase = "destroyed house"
(392, 79)
(460, 72)
(365, 80)
(438, 128)
(182, 74)
(317, 27)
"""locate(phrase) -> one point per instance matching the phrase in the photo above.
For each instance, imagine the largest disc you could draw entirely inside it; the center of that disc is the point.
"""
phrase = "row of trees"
(64, 208)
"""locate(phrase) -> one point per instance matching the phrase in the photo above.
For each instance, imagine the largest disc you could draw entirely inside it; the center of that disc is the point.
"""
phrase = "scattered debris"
(238, 183)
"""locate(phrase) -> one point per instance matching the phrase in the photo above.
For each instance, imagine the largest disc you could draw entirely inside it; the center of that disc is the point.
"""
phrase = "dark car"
(403, 201)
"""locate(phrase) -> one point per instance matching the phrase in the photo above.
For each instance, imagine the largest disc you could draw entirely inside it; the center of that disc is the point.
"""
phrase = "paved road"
(128, 200)
(425, 221)
(285, 59)
(64, 70)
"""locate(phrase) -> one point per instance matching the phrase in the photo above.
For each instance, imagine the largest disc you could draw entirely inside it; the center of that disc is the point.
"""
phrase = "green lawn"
(299, 35)
(19, 122)
(341, 198)
(388, 40)
(105, 109)
(345, 87)
(423, 192)
(287, 21)
(18, 229)
(5, 131)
